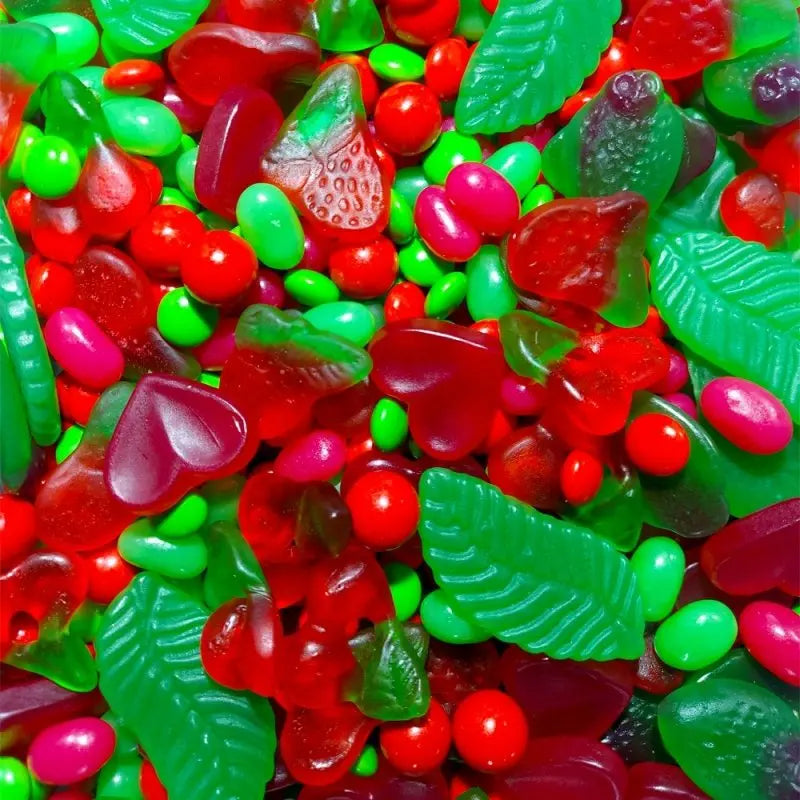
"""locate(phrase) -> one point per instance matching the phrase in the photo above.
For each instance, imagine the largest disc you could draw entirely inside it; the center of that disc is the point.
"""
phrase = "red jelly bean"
(771, 633)
(581, 477)
(160, 241)
(134, 76)
(444, 67)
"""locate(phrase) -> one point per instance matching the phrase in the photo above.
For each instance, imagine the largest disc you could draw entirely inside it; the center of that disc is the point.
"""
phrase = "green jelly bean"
(15, 439)
(51, 167)
(395, 63)
(142, 126)
(92, 78)
(389, 424)
(406, 589)
(77, 39)
(419, 265)
(409, 182)
(168, 164)
(15, 780)
(184, 172)
(696, 635)
(351, 321)
(473, 19)
(658, 564)
(538, 196)
(520, 163)
(180, 558)
(489, 290)
(401, 218)
(119, 778)
(68, 443)
(451, 149)
(213, 221)
(28, 135)
(175, 197)
(446, 295)
(183, 320)
(186, 517)
(376, 309)
(311, 288)
(210, 379)
(271, 226)
(443, 622)
(367, 762)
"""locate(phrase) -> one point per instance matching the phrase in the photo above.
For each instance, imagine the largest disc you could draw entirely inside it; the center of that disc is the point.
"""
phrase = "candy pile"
(398, 399)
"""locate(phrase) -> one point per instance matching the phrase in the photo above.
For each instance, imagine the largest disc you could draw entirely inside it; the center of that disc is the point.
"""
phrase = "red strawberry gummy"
(325, 161)
(587, 251)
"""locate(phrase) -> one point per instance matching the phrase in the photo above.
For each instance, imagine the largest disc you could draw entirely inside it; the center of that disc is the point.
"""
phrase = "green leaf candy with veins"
(693, 208)
(503, 564)
(690, 503)
(147, 26)
(629, 137)
(752, 482)
(734, 739)
(392, 683)
(206, 742)
(735, 304)
(534, 55)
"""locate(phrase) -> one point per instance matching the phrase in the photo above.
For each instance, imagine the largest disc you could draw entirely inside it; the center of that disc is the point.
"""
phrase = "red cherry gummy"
(432, 366)
(752, 207)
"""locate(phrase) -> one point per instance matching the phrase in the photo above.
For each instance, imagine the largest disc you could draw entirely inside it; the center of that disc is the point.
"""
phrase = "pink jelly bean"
(771, 632)
(83, 349)
(316, 456)
(71, 751)
(442, 229)
(683, 402)
(483, 197)
(522, 396)
(268, 289)
(677, 374)
(747, 415)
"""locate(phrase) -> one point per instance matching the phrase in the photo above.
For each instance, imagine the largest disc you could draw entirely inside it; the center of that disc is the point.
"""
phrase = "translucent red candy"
(652, 781)
(173, 435)
(213, 57)
(567, 697)
(431, 366)
(749, 555)
(242, 125)
(753, 208)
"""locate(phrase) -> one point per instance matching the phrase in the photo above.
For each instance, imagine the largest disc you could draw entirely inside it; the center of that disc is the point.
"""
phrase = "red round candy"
(405, 300)
(490, 731)
(161, 239)
(218, 267)
(753, 208)
(108, 573)
(422, 22)
(581, 477)
(657, 444)
(444, 67)
(134, 76)
(20, 210)
(408, 118)
(52, 285)
(384, 507)
(17, 529)
(366, 270)
(418, 745)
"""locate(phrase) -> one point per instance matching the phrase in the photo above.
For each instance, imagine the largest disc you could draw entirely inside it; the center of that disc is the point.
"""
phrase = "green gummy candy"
(735, 740)
(629, 137)
(77, 39)
(348, 25)
(182, 558)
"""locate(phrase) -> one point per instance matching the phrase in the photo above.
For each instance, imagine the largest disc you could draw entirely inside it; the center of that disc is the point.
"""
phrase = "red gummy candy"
(243, 123)
(579, 698)
(752, 554)
(324, 159)
(448, 376)
(587, 251)
(173, 435)
(676, 38)
(213, 57)
(650, 780)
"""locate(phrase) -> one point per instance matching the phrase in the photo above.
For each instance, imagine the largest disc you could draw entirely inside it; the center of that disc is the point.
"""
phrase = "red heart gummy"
(587, 251)
(448, 375)
(173, 435)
